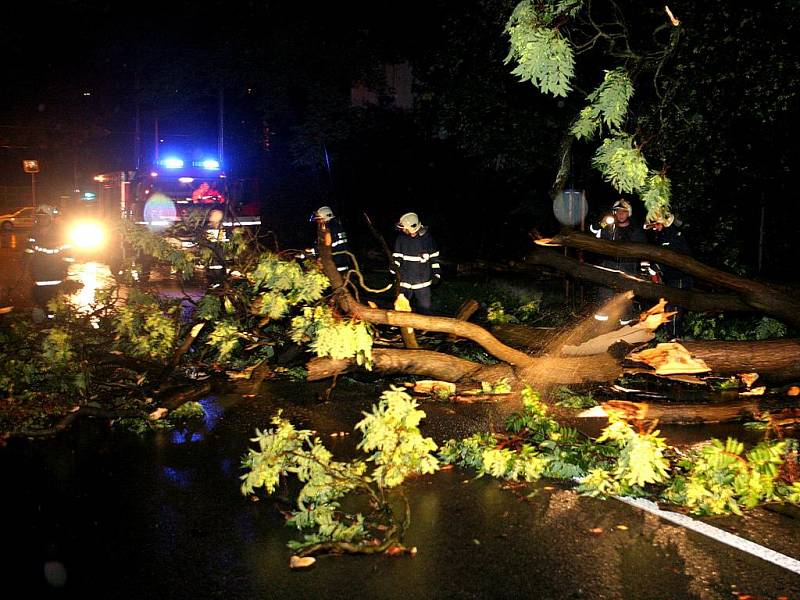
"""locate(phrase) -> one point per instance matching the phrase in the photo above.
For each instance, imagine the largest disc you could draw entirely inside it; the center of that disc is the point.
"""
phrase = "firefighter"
(416, 260)
(216, 270)
(619, 228)
(48, 259)
(664, 231)
(205, 194)
(339, 246)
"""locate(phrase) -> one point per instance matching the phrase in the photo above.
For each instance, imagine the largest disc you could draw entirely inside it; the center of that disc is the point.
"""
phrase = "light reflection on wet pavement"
(101, 514)
(158, 517)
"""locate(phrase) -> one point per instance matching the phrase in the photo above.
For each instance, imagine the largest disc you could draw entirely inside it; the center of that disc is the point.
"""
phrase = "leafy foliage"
(716, 478)
(398, 449)
(392, 432)
(543, 56)
(720, 478)
(330, 336)
(225, 337)
(607, 104)
(656, 195)
(621, 163)
(641, 455)
(284, 284)
(711, 326)
(501, 386)
(568, 398)
(143, 240)
(144, 327)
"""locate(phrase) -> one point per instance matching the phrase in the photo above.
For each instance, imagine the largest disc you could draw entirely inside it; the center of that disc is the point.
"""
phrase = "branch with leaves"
(540, 45)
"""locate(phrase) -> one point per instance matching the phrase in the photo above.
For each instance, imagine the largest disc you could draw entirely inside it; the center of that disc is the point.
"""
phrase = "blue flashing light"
(172, 163)
(210, 164)
(89, 196)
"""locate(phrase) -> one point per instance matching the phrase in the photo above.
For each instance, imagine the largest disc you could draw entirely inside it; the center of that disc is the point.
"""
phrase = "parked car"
(24, 217)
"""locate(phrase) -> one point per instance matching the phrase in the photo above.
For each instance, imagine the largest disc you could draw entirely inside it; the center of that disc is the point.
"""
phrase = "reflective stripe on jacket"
(416, 259)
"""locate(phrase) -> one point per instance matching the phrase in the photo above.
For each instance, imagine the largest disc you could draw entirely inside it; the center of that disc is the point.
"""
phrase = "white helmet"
(622, 204)
(323, 213)
(665, 219)
(410, 222)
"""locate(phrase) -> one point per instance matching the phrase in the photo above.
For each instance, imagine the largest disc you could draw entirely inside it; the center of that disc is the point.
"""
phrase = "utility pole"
(221, 128)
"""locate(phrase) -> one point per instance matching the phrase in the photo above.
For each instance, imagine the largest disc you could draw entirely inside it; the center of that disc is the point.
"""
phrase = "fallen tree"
(747, 295)
(774, 360)
(519, 368)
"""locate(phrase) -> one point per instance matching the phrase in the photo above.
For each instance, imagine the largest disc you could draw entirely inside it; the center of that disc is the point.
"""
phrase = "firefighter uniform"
(339, 246)
(666, 233)
(621, 229)
(49, 260)
(416, 260)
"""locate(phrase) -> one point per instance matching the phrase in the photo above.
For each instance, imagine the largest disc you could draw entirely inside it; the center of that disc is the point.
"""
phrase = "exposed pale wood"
(669, 359)
(430, 386)
(630, 334)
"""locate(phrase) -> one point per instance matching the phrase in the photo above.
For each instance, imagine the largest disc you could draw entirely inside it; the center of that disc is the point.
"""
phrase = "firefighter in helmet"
(665, 230)
(416, 260)
(48, 264)
(339, 245)
(619, 228)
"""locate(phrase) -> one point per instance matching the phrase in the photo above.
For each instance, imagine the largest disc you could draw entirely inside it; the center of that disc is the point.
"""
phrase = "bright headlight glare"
(87, 234)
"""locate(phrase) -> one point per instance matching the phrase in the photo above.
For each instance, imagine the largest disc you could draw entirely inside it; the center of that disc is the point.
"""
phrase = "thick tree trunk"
(425, 363)
(776, 361)
(761, 297)
(691, 300)
(773, 360)
(540, 371)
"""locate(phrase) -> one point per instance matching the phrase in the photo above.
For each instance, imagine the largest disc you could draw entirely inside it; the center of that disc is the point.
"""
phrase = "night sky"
(475, 156)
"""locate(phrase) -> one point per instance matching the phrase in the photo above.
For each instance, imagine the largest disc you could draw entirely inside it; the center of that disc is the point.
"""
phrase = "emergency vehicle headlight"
(87, 235)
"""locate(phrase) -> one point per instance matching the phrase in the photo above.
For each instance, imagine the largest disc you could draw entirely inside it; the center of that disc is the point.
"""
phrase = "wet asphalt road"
(113, 516)
(16, 285)
(96, 514)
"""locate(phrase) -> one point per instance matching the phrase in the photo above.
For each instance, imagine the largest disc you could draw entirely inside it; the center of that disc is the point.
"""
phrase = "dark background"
(311, 116)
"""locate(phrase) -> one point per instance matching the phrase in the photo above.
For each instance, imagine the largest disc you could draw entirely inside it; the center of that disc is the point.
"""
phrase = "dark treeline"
(466, 145)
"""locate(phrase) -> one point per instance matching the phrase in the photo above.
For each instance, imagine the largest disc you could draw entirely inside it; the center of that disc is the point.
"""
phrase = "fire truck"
(171, 191)
(175, 197)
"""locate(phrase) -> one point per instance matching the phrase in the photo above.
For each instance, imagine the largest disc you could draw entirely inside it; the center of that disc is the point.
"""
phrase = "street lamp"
(32, 167)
